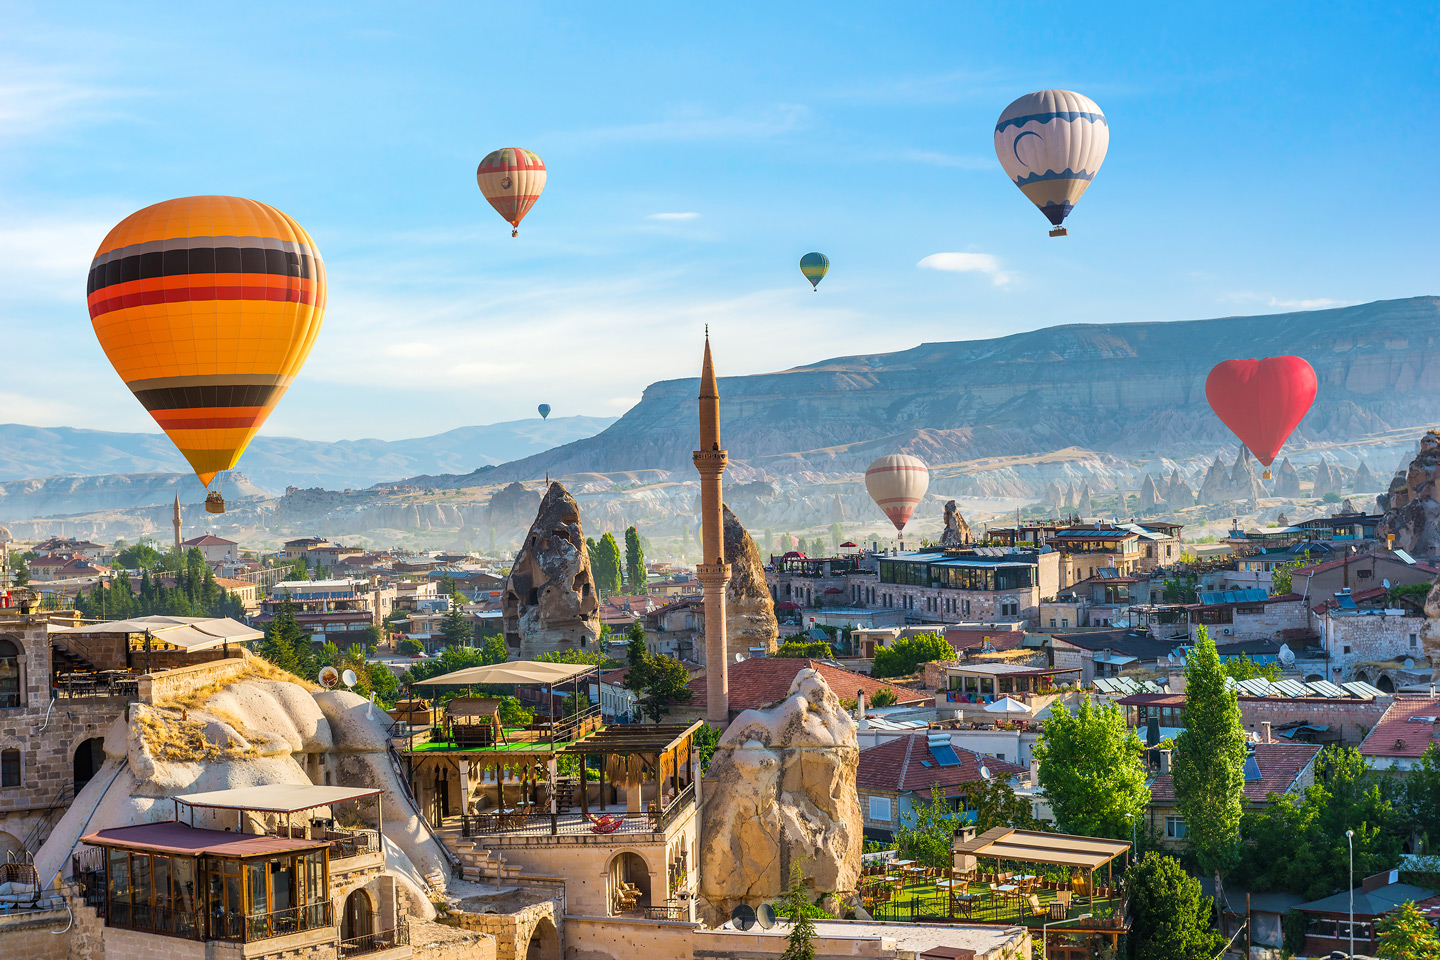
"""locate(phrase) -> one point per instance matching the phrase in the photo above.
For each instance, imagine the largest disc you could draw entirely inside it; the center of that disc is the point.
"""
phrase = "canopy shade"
(473, 707)
(192, 633)
(183, 840)
(276, 797)
(518, 671)
(1006, 705)
(1026, 846)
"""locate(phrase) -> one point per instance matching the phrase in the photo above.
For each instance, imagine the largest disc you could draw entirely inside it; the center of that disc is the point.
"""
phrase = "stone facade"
(1375, 644)
(31, 936)
(529, 932)
(1349, 720)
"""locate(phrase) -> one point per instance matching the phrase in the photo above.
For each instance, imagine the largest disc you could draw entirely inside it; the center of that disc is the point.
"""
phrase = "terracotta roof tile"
(900, 765)
(1279, 763)
(1398, 734)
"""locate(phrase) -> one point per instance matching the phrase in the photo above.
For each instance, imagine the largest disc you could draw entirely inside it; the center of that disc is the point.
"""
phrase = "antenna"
(743, 917)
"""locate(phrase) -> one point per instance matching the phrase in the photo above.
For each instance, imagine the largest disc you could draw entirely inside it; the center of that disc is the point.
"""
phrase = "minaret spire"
(175, 521)
(713, 572)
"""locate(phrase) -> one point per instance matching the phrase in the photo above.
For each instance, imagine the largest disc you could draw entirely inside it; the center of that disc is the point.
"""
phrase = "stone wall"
(1354, 640)
(512, 931)
(1352, 719)
(174, 684)
(435, 941)
(31, 936)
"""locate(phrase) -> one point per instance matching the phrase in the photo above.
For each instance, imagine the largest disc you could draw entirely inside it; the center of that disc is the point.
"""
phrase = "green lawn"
(516, 746)
(926, 901)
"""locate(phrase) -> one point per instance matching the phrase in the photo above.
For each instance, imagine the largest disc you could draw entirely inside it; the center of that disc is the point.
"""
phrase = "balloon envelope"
(1262, 401)
(814, 266)
(1051, 144)
(512, 179)
(544, 409)
(207, 308)
(897, 484)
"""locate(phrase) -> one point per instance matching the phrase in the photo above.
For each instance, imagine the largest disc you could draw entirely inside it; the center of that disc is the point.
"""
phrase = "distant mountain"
(1131, 389)
(273, 463)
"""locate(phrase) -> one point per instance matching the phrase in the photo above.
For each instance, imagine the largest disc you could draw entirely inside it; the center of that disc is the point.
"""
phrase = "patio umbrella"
(1006, 705)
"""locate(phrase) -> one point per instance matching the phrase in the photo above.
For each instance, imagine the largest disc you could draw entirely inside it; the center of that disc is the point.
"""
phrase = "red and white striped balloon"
(897, 484)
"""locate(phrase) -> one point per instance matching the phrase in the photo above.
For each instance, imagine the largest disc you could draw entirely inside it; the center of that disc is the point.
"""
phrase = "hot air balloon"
(1051, 144)
(897, 484)
(544, 409)
(512, 179)
(814, 266)
(1262, 401)
(207, 308)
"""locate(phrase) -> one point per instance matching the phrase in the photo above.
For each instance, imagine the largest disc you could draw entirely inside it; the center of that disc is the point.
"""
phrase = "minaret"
(713, 571)
(175, 520)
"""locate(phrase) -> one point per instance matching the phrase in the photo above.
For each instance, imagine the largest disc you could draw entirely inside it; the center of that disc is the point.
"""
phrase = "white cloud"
(985, 263)
(689, 215)
(1284, 303)
(47, 258)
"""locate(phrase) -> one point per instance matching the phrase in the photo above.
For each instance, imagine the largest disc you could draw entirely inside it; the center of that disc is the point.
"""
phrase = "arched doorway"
(629, 884)
(11, 849)
(357, 923)
(1311, 678)
(1362, 677)
(1385, 683)
(88, 758)
(544, 941)
(11, 694)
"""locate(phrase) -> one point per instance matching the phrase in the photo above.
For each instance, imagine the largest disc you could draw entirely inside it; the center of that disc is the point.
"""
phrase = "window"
(1052, 623)
(9, 768)
(1065, 623)
(1413, 639)
(880, 808)
(1175, 828)
(1347, 648)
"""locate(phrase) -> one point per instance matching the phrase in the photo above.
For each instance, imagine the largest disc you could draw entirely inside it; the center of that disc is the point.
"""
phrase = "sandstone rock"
(1215, 488)
(1082, 506)
(550, 602)
(1150, 499)
(1364, 480)
(749, 610)
(1179, 495)
(512, 506)
(1412, 515)
(957, 531)
(784, 791)
(1072, 496)
(1287, 479)
(1326, 480)
(1053, 497)
(1244, 481)
(1162, 486)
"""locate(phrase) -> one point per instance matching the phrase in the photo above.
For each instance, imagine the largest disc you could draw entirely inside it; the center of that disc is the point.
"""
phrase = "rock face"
(1053, 497)
(1215, 488)
(1179, 496)
(784, 791)
(1082, 506)
(1327, 480)
(749, 610)
(1412, 507)
(1364, 480)
(1150, 499)
(1287, 479)
(1244, 482)
(957, 531)
(550, 602)
(512, 506)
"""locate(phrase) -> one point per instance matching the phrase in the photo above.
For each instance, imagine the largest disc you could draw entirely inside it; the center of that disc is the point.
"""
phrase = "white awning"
(518, 671)
(276, 797)
(192, 633)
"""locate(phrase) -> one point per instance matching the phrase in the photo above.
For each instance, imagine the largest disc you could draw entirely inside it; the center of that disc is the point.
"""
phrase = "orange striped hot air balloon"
(512, 179)
(207, 308)
(897, 484)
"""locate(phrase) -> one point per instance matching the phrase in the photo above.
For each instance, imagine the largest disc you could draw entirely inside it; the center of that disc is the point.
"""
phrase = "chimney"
(860, 709)
(1034, 771)
(1265, 732)
(1164, 763)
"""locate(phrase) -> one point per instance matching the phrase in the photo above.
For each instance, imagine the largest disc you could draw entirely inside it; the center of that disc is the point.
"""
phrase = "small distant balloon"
(544, 409)
(512, 179)
(815, 266)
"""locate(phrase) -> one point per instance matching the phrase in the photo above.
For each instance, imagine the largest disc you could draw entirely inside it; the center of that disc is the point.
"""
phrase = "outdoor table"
(965, 901)
(901, 863)
(944, 884)
(1006, 888)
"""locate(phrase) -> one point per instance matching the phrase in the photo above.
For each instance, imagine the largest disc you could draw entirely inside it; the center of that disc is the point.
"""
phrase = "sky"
(1261, 160)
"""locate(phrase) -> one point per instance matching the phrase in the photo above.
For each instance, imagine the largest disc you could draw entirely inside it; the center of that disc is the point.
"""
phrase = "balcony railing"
(72, 686)
(673, 910)
(193, 924)
(374, 942)
(523, 823)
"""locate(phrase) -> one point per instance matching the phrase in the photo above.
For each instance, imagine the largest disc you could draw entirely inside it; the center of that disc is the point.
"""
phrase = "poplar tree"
(1209, 768)
(605, 566)
(635, 579)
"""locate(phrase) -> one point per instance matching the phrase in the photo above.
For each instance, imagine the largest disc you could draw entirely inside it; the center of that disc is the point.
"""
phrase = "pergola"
(1027, 846)
(666, 749)
(285, 799)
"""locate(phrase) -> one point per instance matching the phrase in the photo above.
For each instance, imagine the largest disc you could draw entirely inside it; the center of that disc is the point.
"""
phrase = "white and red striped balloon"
(897, 484)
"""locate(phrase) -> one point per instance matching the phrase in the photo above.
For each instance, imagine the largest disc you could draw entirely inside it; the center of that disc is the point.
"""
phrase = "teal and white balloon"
(1051, 144)
(544, 410)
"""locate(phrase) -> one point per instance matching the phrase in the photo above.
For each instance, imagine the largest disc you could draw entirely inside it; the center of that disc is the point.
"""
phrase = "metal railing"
(673, 910)
(991, 909)
(354, 844)
(277, 923)
(72, 686)
(522, 823)
(373, 942)
(677, 805)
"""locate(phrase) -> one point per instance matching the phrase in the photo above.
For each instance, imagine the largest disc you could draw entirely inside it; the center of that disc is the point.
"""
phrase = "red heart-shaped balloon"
(1261, 401)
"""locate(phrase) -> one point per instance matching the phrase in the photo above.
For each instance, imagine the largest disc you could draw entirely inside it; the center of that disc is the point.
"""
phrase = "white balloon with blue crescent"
(1051, 144)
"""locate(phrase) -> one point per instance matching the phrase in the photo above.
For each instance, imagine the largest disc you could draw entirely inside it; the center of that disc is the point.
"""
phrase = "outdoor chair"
(1032, 905)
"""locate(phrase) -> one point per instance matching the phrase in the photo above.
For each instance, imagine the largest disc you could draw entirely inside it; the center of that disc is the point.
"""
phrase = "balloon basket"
(214, 503)
(1059, 232)
(514, 233)
(1265, 475)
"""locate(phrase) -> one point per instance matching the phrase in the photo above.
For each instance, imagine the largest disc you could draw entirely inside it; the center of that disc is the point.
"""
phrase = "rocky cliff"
(749, 610)
(1123, 388)
(550, 602)
(1412, 505)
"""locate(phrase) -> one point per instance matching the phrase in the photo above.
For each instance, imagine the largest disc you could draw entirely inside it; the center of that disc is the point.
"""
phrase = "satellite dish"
(765, 916)
(1385, 583)
(1409, 663)
(739, 658)
(349, 679)
(329, 676)
(1286, 656)
(1170, 656)
(984, 772)
(743, 917)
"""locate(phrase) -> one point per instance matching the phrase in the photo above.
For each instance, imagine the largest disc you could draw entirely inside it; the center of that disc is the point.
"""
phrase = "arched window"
(10, 693)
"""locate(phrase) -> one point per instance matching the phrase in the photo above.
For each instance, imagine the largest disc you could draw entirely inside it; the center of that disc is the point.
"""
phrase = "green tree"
(800, 944)
(1422, 795)
(1092, 770)
(1281, 582)
(1243, 668)
(141, 556)
(1406, 934)
(1209, 769)
(636, 580)
(1170, 916)
(605, 566)
(408, 647)
(705, 739)
(657, 681)
(805, 650)
(996, 805)
(456, 629)
(927, 833)
(285, 645)
(884, 697)
(19, 568)
(1181, 590)
(906, 654)
(492, 650)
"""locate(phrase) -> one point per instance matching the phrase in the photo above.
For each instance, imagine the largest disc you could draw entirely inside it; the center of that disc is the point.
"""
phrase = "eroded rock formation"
(1083, 506)
(1179, 496)
(1364, 480)
(749, 610)
(1287, 479)
(1327, 480)
(784, 792)
(1412, 507)
(1150, 499)
(512, 506)
(957, 531)
(550, 602)
(1215, 488)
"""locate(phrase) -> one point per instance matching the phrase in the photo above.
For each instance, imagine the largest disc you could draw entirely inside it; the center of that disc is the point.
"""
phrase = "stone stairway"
(483, 865)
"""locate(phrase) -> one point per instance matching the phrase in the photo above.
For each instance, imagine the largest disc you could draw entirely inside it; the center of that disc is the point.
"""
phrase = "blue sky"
(1259, 161)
